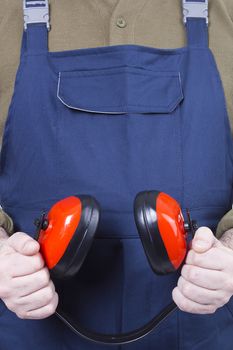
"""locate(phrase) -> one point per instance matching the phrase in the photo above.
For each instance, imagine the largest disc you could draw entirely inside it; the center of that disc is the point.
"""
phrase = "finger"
(201, 295)
(25, 265)
(29, 284)
(38, 299)
(205, 278)
(43, 312)
(186, 305)
(23, 244)
(203, 240)
(213, 259)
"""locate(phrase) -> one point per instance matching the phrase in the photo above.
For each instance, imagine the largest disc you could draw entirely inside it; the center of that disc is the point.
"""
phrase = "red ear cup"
(161, 228)
(67, 234)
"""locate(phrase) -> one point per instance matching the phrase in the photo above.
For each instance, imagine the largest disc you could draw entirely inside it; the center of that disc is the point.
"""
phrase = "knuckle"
(16, 303)
(55, 301)
(22, 315)
(19, 302)
(38, 262)
(189, 257)
(49, 294)
(44, 276)
(5, 292)
(227, 299)
(16, 236)
(195, 258)
(174, 293)
(2, 292)
(207, 309)
(223, 300)
(219, 299)
(193, 274)
(10, 305)
(229, 284)
(51, 308)
(47, 275)
(186, 289)
(184, 305)
(190, 273)
(51, 285)
(181, 307)
(211, 309)
(185, 271)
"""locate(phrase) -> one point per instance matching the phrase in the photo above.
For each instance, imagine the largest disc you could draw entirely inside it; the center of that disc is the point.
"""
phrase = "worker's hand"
(25, 284)
(206, 281)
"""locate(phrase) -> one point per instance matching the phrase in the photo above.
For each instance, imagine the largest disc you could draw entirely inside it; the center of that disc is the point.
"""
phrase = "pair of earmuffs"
(67, 232)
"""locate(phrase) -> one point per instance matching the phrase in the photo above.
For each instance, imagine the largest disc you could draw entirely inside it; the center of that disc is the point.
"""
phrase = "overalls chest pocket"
(125, 124)
(120, 90)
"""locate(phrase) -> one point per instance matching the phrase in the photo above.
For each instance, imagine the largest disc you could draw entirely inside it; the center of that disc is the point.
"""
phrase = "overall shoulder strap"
(36, 25)
(196, 21)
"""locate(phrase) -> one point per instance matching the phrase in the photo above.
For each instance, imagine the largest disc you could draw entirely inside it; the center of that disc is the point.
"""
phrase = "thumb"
(23, 244)
(203, 240)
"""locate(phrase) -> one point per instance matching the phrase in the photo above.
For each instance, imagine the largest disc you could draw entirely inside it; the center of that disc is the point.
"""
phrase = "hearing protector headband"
(67, 232)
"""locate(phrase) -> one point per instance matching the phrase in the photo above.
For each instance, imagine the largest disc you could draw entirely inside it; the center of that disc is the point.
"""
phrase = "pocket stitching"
(161, 108)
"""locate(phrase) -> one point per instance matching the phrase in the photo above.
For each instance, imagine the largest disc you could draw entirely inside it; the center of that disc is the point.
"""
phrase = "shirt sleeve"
(229, 7)
(226, 223)
(6, 222)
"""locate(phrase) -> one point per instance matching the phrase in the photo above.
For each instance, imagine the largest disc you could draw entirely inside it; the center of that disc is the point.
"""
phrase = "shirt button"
(121, 22)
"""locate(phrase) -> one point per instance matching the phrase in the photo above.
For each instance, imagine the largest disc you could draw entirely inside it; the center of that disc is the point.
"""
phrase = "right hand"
(25, 284)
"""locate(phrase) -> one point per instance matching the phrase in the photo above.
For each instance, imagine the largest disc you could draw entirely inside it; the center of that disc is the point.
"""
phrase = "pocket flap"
(120, 90)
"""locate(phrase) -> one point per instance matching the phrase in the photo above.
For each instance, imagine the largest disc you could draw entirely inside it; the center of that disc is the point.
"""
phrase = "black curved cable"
(120, 338)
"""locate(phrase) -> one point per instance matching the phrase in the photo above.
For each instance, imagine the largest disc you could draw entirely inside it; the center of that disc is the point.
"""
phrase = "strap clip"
(36, 11)
(195, 9)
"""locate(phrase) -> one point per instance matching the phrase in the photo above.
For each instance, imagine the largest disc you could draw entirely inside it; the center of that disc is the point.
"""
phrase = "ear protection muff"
(67, 232)
(162, 229)
(66, 235)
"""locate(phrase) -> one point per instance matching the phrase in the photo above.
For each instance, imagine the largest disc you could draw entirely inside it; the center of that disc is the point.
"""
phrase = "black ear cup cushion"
(147, 225)
(81, 242)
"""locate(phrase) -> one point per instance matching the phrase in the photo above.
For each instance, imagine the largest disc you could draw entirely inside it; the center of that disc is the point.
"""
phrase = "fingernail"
(32, 245)
(201, 244)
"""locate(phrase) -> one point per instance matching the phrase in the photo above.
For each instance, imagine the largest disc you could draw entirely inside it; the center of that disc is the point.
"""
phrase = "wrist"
(3, 234)
(227, 239)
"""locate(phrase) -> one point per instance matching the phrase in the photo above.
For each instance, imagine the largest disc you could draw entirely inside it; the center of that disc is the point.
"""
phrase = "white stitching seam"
(80, 109)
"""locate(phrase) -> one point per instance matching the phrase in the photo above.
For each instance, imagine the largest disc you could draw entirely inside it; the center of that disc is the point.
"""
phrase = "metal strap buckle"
(36, 11)
(195, 9)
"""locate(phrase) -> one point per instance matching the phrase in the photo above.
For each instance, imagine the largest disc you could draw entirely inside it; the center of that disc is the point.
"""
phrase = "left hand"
(206, 281)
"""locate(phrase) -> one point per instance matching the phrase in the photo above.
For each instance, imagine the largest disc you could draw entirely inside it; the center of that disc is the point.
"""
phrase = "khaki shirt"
(91, 23)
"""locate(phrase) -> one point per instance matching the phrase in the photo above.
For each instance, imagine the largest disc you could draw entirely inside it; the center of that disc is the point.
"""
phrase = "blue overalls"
(111, 122)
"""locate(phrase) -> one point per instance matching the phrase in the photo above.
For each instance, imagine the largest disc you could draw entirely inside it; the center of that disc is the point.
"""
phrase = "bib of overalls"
(111, 122)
